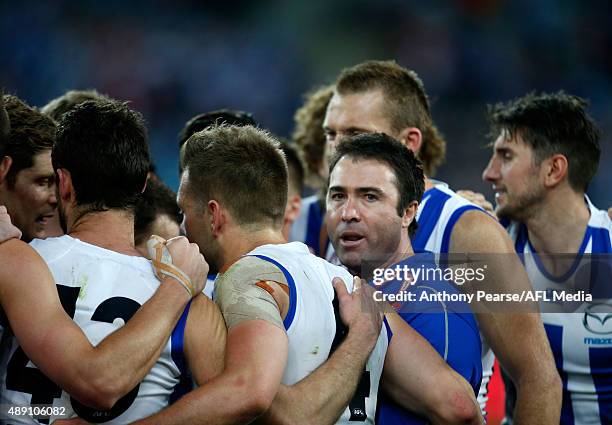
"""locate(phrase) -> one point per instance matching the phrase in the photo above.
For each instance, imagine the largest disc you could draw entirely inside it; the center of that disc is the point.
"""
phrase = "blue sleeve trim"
(292, 289)
(429, 217)
(178, 340)
(178, 356)
(451, 223)
(389, 331)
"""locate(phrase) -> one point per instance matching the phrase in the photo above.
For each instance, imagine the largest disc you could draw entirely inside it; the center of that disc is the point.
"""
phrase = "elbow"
(256, 405)
(100, 394)
(458, 406)
(461, 410)
(251, 401)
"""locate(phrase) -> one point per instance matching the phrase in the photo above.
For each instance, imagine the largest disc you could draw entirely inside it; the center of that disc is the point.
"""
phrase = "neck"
(239, 241)
(428, 183)
(112, 230)
(558, 225)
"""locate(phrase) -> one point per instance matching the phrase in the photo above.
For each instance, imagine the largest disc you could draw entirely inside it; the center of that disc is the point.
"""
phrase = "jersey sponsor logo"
(598, 341)
(598, 318)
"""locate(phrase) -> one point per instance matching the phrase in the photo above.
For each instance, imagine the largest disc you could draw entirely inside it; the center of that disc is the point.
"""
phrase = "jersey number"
(357, 405)
(31, 380)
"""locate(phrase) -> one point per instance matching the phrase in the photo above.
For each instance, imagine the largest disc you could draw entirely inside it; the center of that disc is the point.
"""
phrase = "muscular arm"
(321, 397)
(97, 376)
(205, 338)
(417, 378)
(255, 358)
(517, 339)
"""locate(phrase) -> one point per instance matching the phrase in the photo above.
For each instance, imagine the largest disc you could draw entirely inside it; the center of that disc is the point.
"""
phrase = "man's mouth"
(43, 220)
(350, 239)
(498, 192)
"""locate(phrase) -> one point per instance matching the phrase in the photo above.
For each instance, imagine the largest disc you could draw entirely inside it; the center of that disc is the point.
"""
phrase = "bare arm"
(95, 376)
(255, 359)
(205, 339)
(321, 397)
(417, 378)
(517, 339)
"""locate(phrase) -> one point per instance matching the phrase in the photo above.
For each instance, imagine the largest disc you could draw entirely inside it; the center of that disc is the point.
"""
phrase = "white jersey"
(100, 290)
(581, 341)
(312, 324)
(439, 210)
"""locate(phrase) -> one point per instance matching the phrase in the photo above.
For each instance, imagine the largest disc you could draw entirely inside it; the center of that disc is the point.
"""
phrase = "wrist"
(364, 340)
(171, 287)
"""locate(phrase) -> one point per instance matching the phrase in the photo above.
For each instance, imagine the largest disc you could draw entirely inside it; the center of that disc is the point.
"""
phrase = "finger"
(176, 239)
(356, 283)
(157, 239)
(339, 286)
(3, 210)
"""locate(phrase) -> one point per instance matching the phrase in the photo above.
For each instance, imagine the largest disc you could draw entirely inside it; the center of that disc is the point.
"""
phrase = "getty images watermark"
(478, 283)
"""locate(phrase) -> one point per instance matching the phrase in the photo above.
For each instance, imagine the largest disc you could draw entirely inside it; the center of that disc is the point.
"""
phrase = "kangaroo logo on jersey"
(598, 318)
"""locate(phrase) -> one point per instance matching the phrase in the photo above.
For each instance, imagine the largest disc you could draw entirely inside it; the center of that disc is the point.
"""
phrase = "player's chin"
(350, 259)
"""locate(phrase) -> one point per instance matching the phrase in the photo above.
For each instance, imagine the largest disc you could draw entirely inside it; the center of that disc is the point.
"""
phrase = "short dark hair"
(207, 119)
(294, 166)
(66, 102)
(408, 170)
(406, 99)
(157, 199)
(242, 166)
(550, 124)
(5, 124)
(103, 144)
(30, 134)
(308, 134)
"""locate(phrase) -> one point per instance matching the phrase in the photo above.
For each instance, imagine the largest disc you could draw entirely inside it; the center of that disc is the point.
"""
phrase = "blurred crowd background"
(175, 59)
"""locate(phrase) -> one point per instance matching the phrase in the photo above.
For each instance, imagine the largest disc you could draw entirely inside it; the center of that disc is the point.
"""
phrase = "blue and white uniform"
(308, 227)
(581, 341)
(311, 323)
(438, 212)
(100, 290)
(450, 327)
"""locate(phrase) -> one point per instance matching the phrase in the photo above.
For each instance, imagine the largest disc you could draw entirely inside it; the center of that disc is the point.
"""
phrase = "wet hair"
(553, 124)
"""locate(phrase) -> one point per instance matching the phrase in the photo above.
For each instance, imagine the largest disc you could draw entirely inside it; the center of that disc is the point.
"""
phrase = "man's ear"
(64, 185)
(556, 169)
(412, 138)
(217, 217)
(409, 214)
(293, 208)
(5, 166)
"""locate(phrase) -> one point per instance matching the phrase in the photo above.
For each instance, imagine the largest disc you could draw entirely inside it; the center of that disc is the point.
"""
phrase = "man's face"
(352, 114)
(515, 178)
(31, 202)
(363, 223)
(197, 224)
(164, 226)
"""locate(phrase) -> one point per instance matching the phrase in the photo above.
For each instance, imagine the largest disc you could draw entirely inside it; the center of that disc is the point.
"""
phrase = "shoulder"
(477, 231)
(251, 269)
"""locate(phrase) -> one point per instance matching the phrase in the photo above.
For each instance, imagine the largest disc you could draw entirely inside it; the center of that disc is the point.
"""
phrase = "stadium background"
(174, 59)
